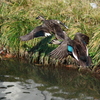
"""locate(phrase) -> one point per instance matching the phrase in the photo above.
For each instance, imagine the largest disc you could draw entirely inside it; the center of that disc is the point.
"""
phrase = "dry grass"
(17, 17)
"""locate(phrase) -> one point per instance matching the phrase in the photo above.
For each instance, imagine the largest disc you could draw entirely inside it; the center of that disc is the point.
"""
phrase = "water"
(21, 81)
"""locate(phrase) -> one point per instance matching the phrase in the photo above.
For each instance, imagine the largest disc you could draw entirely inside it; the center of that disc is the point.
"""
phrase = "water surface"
(21, 81)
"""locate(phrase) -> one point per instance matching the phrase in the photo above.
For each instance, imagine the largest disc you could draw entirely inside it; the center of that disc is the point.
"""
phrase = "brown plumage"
(48, 27)
(61, 51)
(76, 48)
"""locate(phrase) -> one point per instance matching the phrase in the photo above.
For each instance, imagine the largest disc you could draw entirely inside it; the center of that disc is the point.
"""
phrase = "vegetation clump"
(17, 18)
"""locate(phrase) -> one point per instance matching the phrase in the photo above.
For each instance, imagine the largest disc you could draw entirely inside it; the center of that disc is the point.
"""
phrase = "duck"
(48, 27)
(57, 21)
(76, 48)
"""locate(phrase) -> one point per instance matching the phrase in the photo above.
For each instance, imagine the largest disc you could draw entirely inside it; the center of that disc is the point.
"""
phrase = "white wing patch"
(47, 34)
(75, 56)
(58, 21)
(66, 26)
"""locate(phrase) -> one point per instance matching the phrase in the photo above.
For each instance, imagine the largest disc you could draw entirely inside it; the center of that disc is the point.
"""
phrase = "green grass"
(17, 17)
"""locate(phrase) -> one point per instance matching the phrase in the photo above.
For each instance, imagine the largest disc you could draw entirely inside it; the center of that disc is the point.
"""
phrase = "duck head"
(81, 38)
(41, 18)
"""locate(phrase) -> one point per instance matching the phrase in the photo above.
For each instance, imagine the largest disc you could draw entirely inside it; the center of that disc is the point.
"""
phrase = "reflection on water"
(21, 81)
(22, 91)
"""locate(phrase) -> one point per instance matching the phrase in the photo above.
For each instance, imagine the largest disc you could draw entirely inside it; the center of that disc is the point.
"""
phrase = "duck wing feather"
(60, 52)
(37, 32)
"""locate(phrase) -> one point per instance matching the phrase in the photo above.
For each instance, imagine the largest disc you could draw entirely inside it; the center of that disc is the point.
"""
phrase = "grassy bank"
(17, 17)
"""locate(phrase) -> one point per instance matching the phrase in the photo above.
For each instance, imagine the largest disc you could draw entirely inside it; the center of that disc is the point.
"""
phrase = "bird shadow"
(43, 46)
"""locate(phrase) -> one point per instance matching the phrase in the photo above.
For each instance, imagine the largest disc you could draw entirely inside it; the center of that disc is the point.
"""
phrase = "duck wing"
(37, 32)
(62, 50)
(54, 27)
(59, 32)
(48, 26)
(59, 22)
